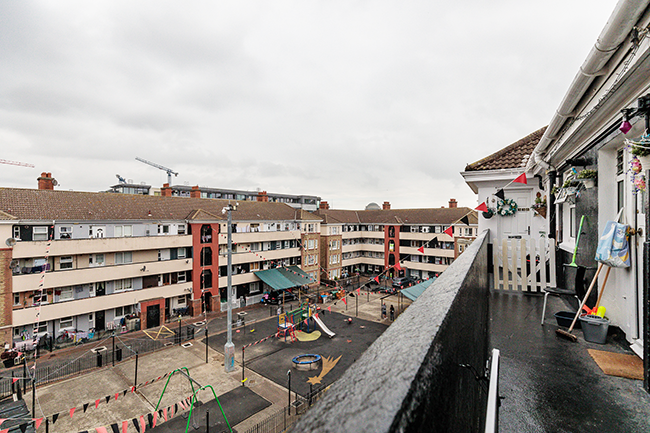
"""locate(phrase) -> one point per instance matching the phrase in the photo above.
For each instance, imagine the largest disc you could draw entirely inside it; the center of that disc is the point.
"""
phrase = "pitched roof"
(515, 155)
(34, 204)
(443, 216)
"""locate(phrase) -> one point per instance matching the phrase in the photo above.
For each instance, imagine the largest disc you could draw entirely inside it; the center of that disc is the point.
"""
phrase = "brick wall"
(6, 295)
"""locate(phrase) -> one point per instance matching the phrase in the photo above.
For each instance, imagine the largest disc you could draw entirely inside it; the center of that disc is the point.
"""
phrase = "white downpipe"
(620, 23)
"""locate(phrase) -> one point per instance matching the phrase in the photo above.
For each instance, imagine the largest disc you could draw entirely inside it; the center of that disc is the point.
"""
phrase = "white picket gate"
(524, 264)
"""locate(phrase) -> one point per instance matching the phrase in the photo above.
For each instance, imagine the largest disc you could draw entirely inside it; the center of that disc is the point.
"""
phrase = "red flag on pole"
(398, 266)
(421, 249)
(482, 207)
(522, 179)
(450, 231)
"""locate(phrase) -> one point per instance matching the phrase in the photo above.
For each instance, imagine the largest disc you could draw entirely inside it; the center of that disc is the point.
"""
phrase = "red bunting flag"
(72, 411)
(37, 422)
(421, 249)
(14, 380)
(398, 266)
(359, 291)
(4, 431)
(376, 279)
(3, 420)
(116, 394)
(143, 424)
(328, 309)
(133, 389)
(482, 207)
(165, 414)
(522, 179)
(96, 403)
(450, 231)
(344, 301)
(125, 426)
(99, 429)
(155, 418)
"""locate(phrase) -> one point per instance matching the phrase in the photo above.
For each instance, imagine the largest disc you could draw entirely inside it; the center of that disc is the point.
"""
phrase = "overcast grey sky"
(353, 101)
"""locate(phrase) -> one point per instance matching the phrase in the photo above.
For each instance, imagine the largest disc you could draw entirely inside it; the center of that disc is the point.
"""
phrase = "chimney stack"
(386, 205)
(46, 181)
(324, 205)
(166, 191)
(196, 192)
(262, 196)
(453, 203)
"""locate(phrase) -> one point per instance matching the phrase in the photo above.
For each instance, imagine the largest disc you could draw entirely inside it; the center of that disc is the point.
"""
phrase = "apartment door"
(153, 316)
(100, 322)
(519, 224)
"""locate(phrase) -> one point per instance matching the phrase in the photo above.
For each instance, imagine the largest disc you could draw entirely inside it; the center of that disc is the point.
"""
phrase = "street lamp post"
(229, 347)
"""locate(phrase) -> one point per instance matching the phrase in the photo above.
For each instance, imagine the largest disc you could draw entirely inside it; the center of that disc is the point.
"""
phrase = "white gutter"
(620, 23)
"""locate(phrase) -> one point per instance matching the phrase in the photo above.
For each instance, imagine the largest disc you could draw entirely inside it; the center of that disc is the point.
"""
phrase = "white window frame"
(65, 232)
(182, 253)
(16, 299)
(123, 231)
(182, 277)
(40, 298)
(65, 322)
(39, 233)
(182, 229)
(123, 257)
(69, 294)
(123, 285)
(96, 260)
(67, 261)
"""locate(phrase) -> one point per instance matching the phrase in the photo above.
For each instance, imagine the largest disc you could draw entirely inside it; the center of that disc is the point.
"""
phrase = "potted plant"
(642, 151)
(588, 178)
(540, 205)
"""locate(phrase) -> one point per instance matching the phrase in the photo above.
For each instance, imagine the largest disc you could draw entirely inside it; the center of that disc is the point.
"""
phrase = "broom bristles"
(567, 335)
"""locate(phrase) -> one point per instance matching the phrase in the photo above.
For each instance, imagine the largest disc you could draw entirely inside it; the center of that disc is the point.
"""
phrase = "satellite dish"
(14, 264)
(54, 182)
(10, 242)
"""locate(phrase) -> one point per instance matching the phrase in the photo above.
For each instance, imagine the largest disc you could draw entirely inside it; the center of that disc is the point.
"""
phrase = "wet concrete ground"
(553, 385)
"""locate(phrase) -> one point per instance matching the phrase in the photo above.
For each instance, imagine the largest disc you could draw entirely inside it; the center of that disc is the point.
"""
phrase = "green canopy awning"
(414, 291)
(283, 278)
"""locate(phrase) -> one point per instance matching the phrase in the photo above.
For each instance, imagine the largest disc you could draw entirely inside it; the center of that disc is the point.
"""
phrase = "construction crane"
(22, 164)
(163, 168)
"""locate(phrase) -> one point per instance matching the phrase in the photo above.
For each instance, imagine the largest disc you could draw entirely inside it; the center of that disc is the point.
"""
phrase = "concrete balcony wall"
(73, 277)
(248, 277)
(243, 238)
(71, 247)
(424, 266)
(259, 256)
(442, 237)
(363, 247)
(27, 316)
(410, 379)
(438, 252)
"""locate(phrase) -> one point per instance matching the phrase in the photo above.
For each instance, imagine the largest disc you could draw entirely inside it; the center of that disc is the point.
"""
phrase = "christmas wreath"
(507, 207)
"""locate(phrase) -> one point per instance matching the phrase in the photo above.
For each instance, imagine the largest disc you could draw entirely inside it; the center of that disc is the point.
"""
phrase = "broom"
(575, 250)
(567, 334)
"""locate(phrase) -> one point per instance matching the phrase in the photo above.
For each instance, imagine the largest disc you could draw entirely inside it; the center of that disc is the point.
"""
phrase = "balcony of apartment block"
(424, 266)
(258, 256)
(434, 368)
(438, 252)
(260, 236)
(51, 311)
(69, 247)
(73, 277)
(363, 247)
(248, 277)
(418, 236)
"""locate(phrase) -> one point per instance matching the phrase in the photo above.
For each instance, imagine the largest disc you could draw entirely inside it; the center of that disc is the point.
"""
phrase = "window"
(96, 260)
(182, 253)
(65, 294)
(16, 232)
(311, 259)
(181, 229)
(124, 257)
(255, 266)
(468, 231)
(40, 298)
(65, 322)
(123, 231)
(65, 262)
(182, 277)
(96, 231)
(310, 244)
(41, 329)
(311, 228)
(39, 233)
(181, 300)
(66, 232)
(572, 222)
(123, 285)
(16, 299)
(255, 246)
(163, 229)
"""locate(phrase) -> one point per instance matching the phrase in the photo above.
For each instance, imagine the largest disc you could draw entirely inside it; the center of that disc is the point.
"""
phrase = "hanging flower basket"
(507, 207)
(541, 211)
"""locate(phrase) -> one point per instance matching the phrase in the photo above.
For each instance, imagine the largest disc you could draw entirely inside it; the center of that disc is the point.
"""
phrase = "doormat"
(618, 364)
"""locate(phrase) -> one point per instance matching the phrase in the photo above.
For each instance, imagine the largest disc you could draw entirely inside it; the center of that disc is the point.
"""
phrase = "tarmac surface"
(103, 397)
(550, 384)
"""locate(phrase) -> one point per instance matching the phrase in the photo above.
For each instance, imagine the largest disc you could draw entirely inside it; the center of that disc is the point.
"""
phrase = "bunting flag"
(115, 428)
(55, 417)
(133, 389)
(101, 429)
(116, 394)
(155, 418)
(125, 426)
(72, 411)
(37, 422)
(142, 424)
(398, 266)
(107, 398)
(434, 242)
(136, 424)
(465, 220)
(150, 420)
(23, 428)
(124, 392)
(14, 380)
(359, 291)
(4, 431)
(421, 250)
(344, 300)
(501, 194)
(522, 179)
(450, 231)
(165, 414)
(376, 279)
(329, 308)
(482, 207)
(96, 403)
(86, 406)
